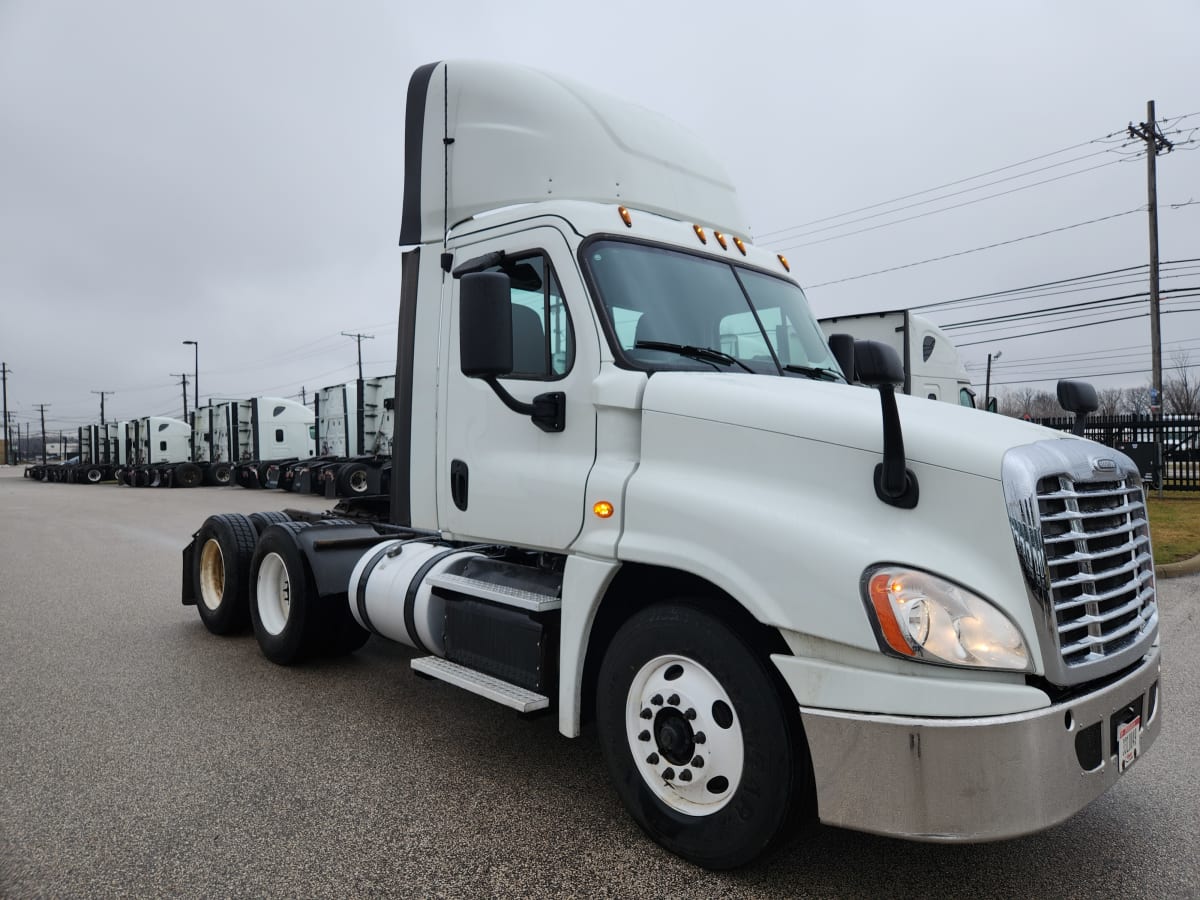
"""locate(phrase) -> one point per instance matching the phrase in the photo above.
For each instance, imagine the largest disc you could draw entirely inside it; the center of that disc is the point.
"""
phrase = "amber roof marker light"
(700, 234)
(625, 216)
(783, 262)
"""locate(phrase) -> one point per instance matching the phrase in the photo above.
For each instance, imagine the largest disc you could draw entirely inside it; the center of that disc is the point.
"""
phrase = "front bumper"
(978, 779)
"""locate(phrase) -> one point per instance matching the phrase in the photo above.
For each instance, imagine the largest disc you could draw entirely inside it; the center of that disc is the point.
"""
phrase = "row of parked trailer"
(341, 447)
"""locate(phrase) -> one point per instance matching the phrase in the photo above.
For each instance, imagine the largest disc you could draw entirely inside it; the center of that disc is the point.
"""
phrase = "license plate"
(1129, 743)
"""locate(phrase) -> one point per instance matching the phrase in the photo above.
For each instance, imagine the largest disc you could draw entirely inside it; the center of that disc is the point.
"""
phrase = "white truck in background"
(354, 441)
(257, 436)
(932, 367)
(630, 484)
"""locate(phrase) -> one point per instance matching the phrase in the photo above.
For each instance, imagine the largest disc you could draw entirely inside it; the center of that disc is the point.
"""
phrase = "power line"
(941, 186)
(1013, 337)
(1016, 240)
(931, 212)
(1119, 300)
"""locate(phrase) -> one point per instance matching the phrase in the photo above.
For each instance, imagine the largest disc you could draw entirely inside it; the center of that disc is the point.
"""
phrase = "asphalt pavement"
(141, 756)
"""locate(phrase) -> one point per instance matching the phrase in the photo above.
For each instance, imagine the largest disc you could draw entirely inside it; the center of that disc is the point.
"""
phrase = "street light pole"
(987, 386)
(195, 374)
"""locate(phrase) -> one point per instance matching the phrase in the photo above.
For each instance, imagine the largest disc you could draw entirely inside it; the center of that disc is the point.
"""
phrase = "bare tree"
(1029, 402)
(1181, 388)
(1135, 401)
(1111, 401)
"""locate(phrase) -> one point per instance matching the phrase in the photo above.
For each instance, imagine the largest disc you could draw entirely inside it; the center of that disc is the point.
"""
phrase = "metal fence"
(1166, 450)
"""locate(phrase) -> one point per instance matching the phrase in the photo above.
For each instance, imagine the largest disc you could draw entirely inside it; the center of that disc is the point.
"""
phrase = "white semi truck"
(932, 367)
(354, 441)
(631, 485)
(253, 436)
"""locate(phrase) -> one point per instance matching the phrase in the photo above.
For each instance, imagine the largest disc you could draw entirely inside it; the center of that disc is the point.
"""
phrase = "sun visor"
(482, 136)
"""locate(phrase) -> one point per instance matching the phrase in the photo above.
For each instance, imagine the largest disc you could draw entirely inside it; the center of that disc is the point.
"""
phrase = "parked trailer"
(780, 597)
(353, 435)
(932, 366)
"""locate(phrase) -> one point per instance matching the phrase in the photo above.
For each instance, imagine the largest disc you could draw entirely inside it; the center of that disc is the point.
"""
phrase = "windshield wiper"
(814, 372)
(705, 354)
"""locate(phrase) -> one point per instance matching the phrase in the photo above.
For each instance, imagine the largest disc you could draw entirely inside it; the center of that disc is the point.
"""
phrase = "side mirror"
(1077, 397)
(1080, 398)
(877, 364)
(485, 325)
(842, 347)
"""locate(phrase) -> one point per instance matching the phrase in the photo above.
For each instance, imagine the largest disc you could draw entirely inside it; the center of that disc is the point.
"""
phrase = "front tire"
(705, 753)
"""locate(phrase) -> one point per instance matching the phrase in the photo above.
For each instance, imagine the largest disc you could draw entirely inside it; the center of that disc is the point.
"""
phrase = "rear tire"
(705, 753)
(353, 480)
(93, 475)
(263, 520)
(221, 473)
(188, 475)
(283, 600)
(224, 549)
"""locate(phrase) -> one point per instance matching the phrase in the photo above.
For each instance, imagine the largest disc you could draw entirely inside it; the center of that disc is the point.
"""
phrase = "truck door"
(501, 478)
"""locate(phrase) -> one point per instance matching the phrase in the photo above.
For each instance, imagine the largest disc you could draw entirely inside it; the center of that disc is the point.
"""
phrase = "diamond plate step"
(498, 593)
(493, 689)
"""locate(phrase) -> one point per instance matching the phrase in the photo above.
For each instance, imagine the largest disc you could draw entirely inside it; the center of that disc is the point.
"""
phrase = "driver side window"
(543, 340)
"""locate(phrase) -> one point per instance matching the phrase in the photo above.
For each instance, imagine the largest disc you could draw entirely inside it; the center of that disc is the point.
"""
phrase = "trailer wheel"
(188, 475)
(705, 753)
(353, 479)
(93, 475)
(225, 546)
(283, 598)
(221, 473)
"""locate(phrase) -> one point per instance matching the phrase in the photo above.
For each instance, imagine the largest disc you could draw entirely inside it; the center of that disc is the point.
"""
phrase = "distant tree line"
(1181, 397)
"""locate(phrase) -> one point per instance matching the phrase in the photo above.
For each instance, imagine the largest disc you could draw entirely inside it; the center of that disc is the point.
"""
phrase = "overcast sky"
(231, 172)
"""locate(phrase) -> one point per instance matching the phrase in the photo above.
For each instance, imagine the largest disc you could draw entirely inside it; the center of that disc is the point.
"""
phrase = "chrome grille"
(1079, 519)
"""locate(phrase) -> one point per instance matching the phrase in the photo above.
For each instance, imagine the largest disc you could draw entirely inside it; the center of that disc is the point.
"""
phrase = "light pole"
(195, 375)
(987, 386)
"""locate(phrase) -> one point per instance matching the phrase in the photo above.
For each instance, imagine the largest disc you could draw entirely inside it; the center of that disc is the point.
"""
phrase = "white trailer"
(932, 367)
(631, 484)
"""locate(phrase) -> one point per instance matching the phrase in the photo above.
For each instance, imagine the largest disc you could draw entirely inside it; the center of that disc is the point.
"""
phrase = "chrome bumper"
(976, 779)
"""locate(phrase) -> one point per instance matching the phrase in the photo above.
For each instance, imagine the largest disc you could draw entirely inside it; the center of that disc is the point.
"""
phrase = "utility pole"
(360, 338)
(1156, 143)
(361, 417)
(4, 370)
(42, 409)
(184, 382)
(102, 394)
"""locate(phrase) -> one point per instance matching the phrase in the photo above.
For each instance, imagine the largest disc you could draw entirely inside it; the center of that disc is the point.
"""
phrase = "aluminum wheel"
(274, 593)
(212, 574)
(684, 735)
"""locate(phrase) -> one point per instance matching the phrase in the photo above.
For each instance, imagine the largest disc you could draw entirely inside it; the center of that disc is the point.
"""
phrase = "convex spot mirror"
(485, 325)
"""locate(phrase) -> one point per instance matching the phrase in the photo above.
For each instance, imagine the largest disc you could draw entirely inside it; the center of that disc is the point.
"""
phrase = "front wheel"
(705, 753)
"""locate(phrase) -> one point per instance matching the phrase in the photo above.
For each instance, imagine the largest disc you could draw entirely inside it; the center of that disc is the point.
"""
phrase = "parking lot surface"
(141, 756)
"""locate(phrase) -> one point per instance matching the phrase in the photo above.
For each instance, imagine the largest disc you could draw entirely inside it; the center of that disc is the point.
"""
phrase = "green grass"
(1174, 526)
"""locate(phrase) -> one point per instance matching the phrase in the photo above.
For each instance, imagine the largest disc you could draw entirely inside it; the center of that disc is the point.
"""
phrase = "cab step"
(521, 598)
(502, 692)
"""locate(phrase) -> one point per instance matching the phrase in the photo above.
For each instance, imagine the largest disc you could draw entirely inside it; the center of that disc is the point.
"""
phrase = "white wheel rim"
(93, 475)
(359, 482)
(212, 574)
(684, 734)
(274, 594)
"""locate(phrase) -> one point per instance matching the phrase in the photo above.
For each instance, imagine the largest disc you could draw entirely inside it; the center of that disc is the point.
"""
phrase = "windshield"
(674, 310)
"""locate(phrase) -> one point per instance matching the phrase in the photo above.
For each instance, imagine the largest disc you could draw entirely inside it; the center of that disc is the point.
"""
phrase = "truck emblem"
(1104, 465)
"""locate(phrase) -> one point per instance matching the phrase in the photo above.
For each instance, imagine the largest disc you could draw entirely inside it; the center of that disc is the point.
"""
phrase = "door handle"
(458, 483)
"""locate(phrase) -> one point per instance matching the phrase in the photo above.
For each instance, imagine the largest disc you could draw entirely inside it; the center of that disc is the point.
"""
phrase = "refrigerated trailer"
(932, 366)
(779, 597)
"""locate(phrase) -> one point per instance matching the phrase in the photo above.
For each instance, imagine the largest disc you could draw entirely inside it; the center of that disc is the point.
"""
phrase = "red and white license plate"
(1129, 743)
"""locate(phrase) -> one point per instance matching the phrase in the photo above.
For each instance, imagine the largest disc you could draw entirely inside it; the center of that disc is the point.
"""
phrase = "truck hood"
(935, 433)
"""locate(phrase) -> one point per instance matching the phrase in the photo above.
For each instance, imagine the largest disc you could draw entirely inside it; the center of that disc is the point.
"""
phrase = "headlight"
(920, 616)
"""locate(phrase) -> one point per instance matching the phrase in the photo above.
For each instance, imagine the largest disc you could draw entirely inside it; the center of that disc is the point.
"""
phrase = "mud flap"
(188, 593)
